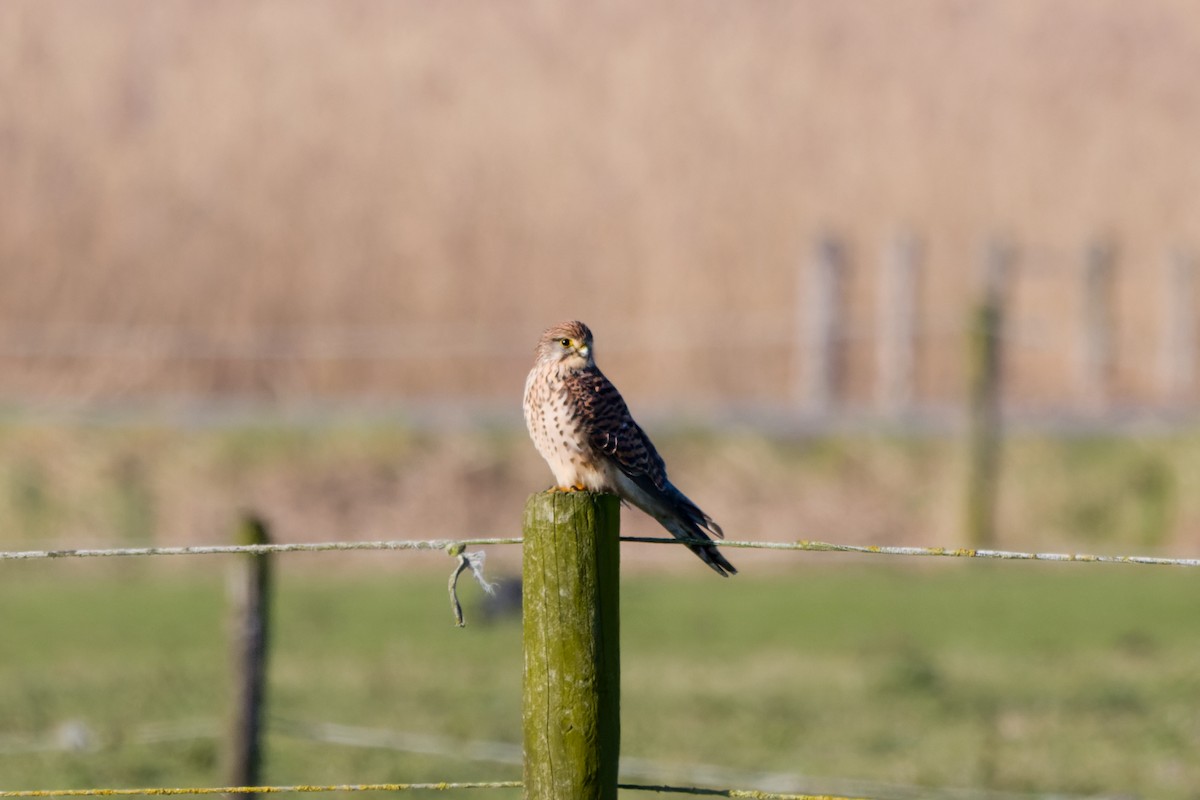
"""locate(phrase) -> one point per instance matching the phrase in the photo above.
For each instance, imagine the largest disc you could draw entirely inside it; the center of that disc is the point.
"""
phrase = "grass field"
(1050, 678)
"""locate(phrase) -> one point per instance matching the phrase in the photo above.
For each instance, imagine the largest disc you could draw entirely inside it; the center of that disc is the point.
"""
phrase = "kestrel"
(582, 427)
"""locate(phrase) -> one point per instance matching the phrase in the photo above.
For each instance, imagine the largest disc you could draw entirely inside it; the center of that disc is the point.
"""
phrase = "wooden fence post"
(1095, 346)
(572, 683)
(819, 328)
(1177, 361)
(896, 339)
(984, 388)
(250, 590)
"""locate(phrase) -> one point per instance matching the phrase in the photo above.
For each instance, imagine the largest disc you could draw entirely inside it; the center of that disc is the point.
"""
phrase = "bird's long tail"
(688, 523)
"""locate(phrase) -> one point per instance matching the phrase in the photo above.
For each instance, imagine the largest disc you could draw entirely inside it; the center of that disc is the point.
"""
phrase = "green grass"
(1056, 678)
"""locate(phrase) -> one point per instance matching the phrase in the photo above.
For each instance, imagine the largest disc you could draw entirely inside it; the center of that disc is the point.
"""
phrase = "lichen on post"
(572, 684)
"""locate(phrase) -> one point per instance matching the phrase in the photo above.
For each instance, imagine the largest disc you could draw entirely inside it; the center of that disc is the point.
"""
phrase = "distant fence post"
(1095, 346)
(984, 390)
(250, 590)
(896, 340)
(572, 684)
(1177, 362)
(820, 328)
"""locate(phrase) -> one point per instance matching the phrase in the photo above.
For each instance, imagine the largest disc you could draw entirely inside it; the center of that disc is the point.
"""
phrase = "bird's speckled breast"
(557, 430)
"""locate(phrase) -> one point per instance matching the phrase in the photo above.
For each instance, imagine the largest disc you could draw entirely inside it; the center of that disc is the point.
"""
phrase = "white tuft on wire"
(472, 561)
(475, 561)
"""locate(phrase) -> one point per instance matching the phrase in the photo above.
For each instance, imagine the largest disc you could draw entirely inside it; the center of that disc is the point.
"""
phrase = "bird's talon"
(575, 487)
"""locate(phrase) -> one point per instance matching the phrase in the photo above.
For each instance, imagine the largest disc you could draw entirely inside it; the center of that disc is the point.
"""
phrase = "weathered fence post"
(984, 386)
(819, 329)
(896, 341)
(572, 681)
(1177, 361)
(1096, 335)
(250, 590)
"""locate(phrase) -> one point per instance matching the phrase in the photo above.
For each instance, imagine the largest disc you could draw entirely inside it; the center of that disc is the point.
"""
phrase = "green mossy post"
(572, 682)
(984, 387)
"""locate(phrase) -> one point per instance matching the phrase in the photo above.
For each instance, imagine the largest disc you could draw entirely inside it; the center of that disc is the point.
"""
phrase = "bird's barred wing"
(611, 430)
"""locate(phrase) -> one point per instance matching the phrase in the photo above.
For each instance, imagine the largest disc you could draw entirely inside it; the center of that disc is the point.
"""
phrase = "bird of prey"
(582, 427)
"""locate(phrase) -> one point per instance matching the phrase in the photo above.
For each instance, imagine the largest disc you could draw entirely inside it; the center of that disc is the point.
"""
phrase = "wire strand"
(350, 787)
(944, 552)
(253, 549)
(448, 544)
(752, 794)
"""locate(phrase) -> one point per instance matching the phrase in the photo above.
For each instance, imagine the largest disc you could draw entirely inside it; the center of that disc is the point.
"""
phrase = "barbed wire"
(454, 547)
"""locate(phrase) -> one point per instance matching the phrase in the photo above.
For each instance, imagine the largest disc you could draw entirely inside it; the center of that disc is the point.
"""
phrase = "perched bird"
(582, 427)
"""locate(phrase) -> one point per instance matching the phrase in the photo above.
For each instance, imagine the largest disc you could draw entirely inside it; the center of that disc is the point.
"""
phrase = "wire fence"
(456, 548)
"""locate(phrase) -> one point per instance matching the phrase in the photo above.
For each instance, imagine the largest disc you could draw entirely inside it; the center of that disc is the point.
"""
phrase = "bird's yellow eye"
(565, 342)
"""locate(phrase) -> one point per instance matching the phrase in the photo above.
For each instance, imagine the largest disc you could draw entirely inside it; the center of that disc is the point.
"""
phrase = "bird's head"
(568, 344)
